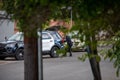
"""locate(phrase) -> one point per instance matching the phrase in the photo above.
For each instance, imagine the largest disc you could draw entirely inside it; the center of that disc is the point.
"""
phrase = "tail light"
(63, 40)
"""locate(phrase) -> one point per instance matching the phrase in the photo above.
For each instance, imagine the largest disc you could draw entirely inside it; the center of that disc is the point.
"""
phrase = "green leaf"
(83, 57)
(43, 2)
(98, 58)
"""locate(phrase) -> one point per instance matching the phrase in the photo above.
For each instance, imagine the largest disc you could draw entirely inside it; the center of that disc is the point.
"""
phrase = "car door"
(47, 42)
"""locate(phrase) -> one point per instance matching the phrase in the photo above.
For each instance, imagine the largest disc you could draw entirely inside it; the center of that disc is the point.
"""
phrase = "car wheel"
(2, 58)
(53, 52)
(19, 54)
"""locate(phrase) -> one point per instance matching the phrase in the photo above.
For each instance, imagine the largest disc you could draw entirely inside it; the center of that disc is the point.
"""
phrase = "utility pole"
(40, 61)
(70, 8)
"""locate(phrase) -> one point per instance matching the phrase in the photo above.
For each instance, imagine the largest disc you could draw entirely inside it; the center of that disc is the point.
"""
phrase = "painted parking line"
(6, 62)
(2, 62)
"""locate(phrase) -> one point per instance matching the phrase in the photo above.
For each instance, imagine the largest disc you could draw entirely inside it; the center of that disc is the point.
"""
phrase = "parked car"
(78, 45)
(14, 46)
(55, 42)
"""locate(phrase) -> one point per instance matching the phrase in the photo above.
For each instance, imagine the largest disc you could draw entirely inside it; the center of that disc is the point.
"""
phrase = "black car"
(12, 47)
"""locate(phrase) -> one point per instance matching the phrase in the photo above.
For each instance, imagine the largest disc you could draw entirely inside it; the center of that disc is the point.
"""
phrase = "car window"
(45, 36)
(16, 37)
(55, 35)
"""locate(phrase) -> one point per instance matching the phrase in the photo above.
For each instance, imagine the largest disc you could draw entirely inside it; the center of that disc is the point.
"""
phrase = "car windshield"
(16, 37)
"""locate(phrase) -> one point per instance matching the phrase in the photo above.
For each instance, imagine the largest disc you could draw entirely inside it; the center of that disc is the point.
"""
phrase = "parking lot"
(65, 68)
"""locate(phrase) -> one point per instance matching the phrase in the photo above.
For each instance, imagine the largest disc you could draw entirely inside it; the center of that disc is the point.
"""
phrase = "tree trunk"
(30, 58)
(95, 67)
(93, 62)
(95, 52)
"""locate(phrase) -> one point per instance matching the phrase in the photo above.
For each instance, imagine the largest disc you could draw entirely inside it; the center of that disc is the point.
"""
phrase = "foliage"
(93, 16)
(114, 53)
(27, 12)
(84, 57)
(99, 15)
(30, 15)
(63, 52)
(35, 12)
(1, 4)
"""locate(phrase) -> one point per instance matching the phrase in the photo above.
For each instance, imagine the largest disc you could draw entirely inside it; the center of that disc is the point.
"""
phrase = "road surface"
(66, 68)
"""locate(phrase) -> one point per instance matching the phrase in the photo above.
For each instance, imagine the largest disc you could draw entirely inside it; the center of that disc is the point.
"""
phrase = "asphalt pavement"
(65, 68)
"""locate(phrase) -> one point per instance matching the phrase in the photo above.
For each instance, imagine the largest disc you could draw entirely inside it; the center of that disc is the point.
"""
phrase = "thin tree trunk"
(95, 52)
(93, 62)
(94, 66)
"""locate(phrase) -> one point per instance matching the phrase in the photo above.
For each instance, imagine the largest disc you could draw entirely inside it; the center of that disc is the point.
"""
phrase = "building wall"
(67, 25)
(6, 29)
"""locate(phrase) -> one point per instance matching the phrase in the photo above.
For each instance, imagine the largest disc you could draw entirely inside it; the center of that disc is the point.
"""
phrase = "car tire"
(53, 52)
(19, 54)
(2, 58)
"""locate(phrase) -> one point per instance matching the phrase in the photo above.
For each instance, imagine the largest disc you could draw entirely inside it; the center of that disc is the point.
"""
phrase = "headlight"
(10, 48)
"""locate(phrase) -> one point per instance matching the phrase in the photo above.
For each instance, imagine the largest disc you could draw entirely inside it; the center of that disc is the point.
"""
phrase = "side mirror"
(6, 39)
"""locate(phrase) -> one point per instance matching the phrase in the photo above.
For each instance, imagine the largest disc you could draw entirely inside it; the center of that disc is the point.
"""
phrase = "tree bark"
(93, 62)
(30, 58)
(94, 66)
